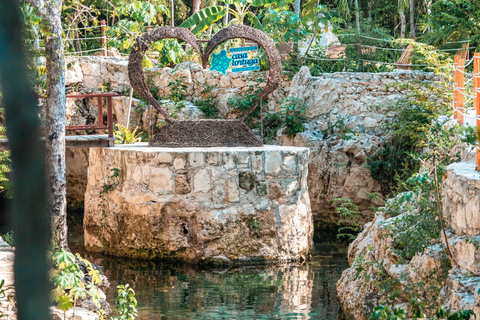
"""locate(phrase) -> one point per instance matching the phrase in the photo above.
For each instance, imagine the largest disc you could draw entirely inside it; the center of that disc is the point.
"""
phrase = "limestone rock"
(199, 205)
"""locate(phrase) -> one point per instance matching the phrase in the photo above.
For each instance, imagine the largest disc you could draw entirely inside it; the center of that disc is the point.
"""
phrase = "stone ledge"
(461, 201)
(199, 205)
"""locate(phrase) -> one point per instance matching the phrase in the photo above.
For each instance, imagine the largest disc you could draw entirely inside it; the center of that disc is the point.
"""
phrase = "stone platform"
(199, 205)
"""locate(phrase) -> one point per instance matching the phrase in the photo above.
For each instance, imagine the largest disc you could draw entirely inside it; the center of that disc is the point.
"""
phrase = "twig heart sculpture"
(203, 133)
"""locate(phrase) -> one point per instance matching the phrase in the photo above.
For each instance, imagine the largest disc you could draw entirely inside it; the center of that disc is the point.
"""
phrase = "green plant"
(397, 160)
(107, 187)
(207, 107)
(125, 135)
(350, 219)
(126, 302)
(293, 113)
(244, 103)
(106, 86)
(5, 169)
(178, 89)
(340, 128)
(206, 17)
(272, 122)
(70, 282)
(8, 238)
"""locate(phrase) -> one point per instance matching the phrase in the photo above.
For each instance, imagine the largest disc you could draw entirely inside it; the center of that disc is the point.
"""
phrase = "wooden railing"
(100, 126)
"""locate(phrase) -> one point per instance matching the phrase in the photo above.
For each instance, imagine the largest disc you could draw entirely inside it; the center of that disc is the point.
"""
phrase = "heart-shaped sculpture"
(201, 132)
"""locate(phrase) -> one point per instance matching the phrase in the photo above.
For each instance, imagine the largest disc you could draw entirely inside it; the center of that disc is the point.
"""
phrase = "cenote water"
(179, 291)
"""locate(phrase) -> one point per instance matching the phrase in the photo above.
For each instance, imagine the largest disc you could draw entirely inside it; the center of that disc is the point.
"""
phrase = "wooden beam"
(84, 141)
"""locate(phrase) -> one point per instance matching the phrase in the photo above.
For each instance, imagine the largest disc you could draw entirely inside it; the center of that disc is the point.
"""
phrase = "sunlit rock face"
(347, 116)
(200, 205)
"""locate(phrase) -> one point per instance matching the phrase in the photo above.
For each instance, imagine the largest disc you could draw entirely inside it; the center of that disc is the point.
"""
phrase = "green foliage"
(397, 160)
(293, 114)
(113, 182)
(239, 10)
(340, 128)
(452, 20)
(126, 302)
(178, 89)
(350, 219)
(207, 107)
(5, 169)
(125, 135)
(387, 313)
(244, 103)
(8, 238)
(272, 122)
(71, 283)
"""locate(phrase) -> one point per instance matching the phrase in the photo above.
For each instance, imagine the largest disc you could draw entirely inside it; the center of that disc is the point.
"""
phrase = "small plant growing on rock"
(207, 107)
(71, 283)
(349, 222)
(107, 187)
(293, 114)
(125, 135)
(126, 302)
(178, 89)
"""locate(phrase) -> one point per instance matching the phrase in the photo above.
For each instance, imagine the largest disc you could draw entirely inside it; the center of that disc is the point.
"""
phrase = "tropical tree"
(206, 17)
(452, 20)
(55, 119)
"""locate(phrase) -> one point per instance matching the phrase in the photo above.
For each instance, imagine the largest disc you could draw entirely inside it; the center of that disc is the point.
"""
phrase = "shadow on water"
(179, 291)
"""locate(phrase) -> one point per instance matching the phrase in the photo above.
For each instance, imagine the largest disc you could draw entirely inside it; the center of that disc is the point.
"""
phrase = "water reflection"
(169, 291)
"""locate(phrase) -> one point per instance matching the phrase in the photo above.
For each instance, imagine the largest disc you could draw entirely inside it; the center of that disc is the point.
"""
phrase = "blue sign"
(240, 60)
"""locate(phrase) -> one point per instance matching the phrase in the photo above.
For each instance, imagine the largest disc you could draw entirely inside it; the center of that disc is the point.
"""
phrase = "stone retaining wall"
(200, 205)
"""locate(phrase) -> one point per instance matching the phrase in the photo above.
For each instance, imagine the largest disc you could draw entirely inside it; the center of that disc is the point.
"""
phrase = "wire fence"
(82, 45)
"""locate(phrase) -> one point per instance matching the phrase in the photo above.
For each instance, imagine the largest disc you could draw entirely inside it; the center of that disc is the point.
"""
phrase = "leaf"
(205, 23)
(65, 280)
(79, 291)
(95, 275)
(64, 302)
(65, 257)
(201, 15)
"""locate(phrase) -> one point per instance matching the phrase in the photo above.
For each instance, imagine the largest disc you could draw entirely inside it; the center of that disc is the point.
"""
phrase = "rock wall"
(199, 205)
(461, 200)
(347, 114)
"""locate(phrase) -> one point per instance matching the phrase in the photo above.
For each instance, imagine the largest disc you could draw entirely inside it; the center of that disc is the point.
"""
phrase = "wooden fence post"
(476, 106)
(104, 38)
(461, 91)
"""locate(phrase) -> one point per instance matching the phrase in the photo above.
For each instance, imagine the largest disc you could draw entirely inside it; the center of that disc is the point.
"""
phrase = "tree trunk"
(55, 121)
(357, 19)
(297, 7)
(196, 5)
(402, 22)
(172, 12)
(412, 19)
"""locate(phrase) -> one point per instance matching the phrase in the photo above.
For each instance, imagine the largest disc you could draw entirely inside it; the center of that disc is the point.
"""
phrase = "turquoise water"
(179, 291)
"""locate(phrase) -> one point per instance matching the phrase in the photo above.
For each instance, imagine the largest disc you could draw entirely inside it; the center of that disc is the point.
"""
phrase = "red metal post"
(109, 117)
(100, 114)
(104, 38)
